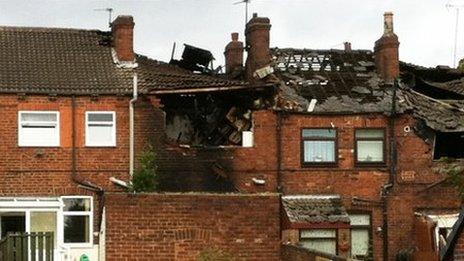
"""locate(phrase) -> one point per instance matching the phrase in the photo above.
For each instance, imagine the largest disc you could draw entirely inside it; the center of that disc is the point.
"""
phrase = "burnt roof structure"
(346, 82)
(82, 62)
(338, 81)
(308, 210)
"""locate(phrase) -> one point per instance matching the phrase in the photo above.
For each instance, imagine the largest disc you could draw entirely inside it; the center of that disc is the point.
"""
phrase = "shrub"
(145, 178)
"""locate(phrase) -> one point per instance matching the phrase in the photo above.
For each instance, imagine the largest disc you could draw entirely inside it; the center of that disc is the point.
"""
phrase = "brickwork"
(346, 179)
(294, 253)
(458, 253)
(181, 226)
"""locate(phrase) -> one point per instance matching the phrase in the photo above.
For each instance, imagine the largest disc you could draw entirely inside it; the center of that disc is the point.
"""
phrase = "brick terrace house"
(68, 98)
(351, 139)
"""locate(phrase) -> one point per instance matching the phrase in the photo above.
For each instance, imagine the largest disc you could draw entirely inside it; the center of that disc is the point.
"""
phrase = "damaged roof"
(346, 82)
(80, 62)
(314, 209)
(444, 116)
(336, 80)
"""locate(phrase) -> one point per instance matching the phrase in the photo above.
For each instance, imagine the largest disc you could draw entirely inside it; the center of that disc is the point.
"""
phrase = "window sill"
(78, 245)
(39, 146)
(380, 165)
(100, 146)
(319, 165)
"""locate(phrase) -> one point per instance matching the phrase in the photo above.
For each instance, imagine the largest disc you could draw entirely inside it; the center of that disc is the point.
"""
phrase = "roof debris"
(315, 209)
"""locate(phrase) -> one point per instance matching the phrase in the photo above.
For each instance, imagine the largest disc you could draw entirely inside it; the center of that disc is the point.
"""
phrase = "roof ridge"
(48, 29)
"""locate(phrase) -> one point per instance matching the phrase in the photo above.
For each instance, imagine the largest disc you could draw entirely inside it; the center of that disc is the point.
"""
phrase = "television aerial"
(246, 2)
(110, 12)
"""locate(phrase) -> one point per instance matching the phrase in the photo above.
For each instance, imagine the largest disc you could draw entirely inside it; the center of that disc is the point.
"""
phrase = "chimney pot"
(347, 46)
(388, 23)
(123, 37)
(234, 37)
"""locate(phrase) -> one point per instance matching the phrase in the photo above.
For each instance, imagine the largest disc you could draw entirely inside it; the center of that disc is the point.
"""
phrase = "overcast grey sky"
(425, 27)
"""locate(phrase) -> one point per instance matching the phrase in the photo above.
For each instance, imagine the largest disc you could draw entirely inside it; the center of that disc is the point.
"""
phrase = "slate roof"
(314, 209)
(340, 81)
(80, 62)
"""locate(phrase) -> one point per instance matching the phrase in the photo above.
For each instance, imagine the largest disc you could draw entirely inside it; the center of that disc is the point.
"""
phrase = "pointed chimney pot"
(122, 29)
(386, 51)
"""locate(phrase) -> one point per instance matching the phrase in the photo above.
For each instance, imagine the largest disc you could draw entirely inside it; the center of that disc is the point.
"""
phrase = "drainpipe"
(131, 126)
(393, 170)
(279, 152)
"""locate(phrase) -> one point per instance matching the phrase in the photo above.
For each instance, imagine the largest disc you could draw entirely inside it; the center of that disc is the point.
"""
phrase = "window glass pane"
(318, 233)
(319, 133)
(319, 151)
(359, 242)
(369, 134)
(100, 117)
(76, 204)
(100, 135)
(36, 136)
(44, 222)
(370, 151)
(360, 220)
(38, 117)
(76, 229)
(322, 245)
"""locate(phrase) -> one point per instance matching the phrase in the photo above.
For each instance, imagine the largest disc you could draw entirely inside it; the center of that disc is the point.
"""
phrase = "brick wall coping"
(207, 194)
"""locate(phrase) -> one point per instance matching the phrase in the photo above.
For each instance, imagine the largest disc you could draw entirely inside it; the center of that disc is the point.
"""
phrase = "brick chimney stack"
(122, 29)
(234, 54)
(257, 44)
(386, 51)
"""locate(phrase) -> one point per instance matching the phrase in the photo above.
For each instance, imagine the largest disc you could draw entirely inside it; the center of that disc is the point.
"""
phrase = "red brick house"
(69, 131)
(351, 138)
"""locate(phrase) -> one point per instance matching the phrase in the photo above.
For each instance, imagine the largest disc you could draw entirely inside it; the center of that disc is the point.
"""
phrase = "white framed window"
(77, 220)
(323, 240)
(100, 129)
(360, 235)
(38, 128)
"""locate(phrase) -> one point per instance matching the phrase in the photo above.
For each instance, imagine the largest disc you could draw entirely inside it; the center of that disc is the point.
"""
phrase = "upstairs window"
(370, 146)
(319, 146)
(77, 220)
(39, 129)
(449, 145)
(100, 129)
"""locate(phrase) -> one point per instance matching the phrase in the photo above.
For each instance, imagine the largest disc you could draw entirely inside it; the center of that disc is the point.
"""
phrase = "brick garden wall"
(296, 253)
(181, 226)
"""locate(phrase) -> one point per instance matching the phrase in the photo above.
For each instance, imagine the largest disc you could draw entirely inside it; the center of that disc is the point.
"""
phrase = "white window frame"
(21, 142)
(87, 132)
(79, 213)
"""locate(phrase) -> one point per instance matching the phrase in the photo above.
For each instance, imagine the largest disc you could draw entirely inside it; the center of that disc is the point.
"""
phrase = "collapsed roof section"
(329, 81)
